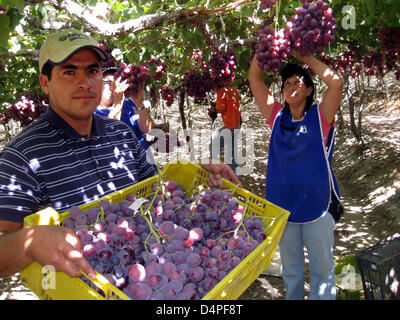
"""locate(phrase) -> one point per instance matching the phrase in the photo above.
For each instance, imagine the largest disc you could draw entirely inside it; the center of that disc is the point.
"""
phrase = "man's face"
(107, 99)
(75, 87)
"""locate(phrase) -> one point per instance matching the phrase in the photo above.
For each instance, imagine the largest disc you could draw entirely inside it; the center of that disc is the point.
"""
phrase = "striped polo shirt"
(50, 164)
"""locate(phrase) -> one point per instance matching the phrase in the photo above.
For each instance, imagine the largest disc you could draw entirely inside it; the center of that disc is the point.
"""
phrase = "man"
(228, 105)
(68, 157)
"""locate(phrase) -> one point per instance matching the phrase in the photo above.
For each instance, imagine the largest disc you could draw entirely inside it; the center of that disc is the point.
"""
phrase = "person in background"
(130, 110)
(68, 157)
(228, 105)
(299, 171)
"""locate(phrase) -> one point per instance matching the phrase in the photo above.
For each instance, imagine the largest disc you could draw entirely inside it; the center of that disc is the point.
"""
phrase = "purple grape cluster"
(110, 61)
(223, 66)
(266, 4)
(135, 76)
(168, 94)
(198, 84)
(272, 49)
(174, 248)
(157, 68)
(312, 28)
(27, 109)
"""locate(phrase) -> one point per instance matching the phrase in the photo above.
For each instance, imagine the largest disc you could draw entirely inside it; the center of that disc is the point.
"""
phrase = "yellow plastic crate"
(59, 286)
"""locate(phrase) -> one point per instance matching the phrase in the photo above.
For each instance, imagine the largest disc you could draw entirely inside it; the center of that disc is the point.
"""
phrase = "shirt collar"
(98, 125)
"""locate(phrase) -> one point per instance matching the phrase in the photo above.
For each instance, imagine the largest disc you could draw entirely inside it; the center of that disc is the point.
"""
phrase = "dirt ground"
(368, 174)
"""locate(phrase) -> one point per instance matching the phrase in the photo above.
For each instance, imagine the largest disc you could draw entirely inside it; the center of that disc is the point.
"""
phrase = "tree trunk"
(186, 132)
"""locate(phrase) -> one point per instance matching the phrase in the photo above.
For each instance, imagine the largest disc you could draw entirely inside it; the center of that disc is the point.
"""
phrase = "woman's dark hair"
(291, 69)
(46, 70)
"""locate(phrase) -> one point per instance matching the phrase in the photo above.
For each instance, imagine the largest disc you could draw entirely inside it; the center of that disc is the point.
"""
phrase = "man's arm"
(219, 170)
(49, 245)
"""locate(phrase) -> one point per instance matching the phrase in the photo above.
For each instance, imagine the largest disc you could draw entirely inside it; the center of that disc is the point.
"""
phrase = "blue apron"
(299, 173)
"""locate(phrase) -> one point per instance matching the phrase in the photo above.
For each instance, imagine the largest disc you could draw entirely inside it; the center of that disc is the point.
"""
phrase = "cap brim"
(102, 55)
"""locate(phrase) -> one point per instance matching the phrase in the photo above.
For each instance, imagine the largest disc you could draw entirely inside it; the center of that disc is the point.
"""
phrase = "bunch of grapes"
(135, 76)
(110, 61)
(223, 66)
(168, 94)
(390, 40)
(198, 84)
(312, 28)
(159, 68)
(390, 46)
(272, 49)
(373, 64)
(27, 109)
(266, 4)
(174, 247)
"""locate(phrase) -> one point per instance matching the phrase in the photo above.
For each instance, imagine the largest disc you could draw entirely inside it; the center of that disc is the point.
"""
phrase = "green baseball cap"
(62, 45)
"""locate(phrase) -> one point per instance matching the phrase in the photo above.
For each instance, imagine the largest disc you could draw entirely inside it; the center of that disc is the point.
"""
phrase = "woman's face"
(295, 90)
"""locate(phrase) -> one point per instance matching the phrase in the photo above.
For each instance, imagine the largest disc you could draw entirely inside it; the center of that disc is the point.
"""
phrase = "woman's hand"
(120, 87)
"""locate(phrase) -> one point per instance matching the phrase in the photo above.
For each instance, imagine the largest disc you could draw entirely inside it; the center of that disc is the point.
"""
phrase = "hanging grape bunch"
(176, 248)
(266, 4)
(135, 76)
(390, 46)
(110, 61)
(157, 68)
(198, 84)
(272, 49)
(168, 94)
(312, 28)
(223, 67)
(27, 109)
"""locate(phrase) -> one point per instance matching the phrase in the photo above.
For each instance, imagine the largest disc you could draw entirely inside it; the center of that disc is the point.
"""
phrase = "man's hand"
(219, 170)
(59, 247)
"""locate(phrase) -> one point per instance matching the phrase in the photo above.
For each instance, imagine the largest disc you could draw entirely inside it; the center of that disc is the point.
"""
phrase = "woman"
(299, 173)
(130, 110)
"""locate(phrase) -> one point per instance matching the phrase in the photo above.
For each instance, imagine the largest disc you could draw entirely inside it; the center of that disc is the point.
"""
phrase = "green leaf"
(4, 30)
(370, 7)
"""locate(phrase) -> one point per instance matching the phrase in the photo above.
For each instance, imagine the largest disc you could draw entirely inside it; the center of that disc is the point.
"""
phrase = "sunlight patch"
(111, 185)
(34, 164)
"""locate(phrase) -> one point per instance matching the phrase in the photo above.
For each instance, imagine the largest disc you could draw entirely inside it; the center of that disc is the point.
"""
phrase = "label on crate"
(135, 206)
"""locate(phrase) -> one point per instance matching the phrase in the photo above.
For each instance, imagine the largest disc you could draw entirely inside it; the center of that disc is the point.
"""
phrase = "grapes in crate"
(173, 246)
